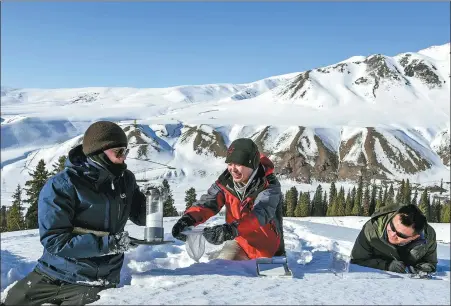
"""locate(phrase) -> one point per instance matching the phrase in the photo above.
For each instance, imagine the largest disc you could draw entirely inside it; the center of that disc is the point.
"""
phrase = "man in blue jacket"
(82, 212)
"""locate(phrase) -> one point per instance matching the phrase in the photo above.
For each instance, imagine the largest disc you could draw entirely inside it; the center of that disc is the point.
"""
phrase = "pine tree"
(291, 206)
(302, 209)
(441, 186)
(437, 210)
(445, 213)
(424, 204)
(332, 194)
(169, 209)
(366, 201)
(325, 204)
(373, 199)
(190, 197)
(348, 204)
(289, 198)
(407, 196)
(390, 196)
(353, 195)
(400, 194)
(341, 203)
(317, 202)
(59, 165)
(38, 179)
(15, 219)
(356, 209)
(3, 221)
(380, 200)
(332, 209)
(433, 211)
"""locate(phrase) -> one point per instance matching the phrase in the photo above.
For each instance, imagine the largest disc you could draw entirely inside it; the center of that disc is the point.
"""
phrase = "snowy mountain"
(165, 274)
(384, 117)
(405, 78)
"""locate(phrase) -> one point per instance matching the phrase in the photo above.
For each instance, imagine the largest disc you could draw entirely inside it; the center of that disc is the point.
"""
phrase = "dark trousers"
(38, 288)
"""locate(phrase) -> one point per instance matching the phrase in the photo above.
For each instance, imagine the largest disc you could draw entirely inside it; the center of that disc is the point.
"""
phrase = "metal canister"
(154, 230)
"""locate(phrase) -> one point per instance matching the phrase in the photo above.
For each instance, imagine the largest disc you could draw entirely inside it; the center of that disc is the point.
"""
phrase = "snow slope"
(411, 104)
(167, 275)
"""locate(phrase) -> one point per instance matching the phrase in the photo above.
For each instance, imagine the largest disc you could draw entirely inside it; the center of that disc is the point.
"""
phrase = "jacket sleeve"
(209, 204)
(55, 215)
(138, 208)
(362, 254)
(428, 262)
(265, 207)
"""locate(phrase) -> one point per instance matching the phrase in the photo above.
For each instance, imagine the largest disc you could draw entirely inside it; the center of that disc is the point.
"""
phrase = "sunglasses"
(121, 152)
(400, 235)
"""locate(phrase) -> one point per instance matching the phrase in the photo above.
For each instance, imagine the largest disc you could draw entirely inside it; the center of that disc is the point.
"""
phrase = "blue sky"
(150, 44)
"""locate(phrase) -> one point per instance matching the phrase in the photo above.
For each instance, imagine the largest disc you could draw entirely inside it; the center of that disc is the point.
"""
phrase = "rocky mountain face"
(305, 154)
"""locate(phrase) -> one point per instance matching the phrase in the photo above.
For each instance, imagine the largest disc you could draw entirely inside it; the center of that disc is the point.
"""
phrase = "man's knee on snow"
(231, 251)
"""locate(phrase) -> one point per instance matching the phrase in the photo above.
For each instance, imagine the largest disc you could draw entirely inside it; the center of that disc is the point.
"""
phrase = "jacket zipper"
(118, 211)
(116, 202)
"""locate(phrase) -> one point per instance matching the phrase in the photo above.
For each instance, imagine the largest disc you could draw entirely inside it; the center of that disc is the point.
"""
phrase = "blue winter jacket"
(88, 196)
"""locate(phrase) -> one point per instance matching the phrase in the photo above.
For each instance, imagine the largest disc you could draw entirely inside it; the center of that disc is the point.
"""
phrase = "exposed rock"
(422, 71)
(296, 85)
(85, 98)
(204, 142)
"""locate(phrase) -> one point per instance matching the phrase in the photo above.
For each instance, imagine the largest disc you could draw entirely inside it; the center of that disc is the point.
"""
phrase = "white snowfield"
(165, 274)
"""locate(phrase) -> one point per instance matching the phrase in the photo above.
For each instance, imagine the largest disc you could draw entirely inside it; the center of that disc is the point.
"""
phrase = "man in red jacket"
(252, 196)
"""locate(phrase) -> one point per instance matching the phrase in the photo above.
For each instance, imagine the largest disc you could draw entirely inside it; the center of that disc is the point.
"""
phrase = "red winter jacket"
(259, 215)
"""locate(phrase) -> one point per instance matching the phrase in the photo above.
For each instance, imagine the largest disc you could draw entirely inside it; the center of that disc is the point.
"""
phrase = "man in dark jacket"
(252, 196)
(397, 239)
(82, 212)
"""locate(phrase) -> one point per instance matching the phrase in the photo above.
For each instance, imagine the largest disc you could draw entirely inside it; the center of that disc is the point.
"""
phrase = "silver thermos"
(154, 230)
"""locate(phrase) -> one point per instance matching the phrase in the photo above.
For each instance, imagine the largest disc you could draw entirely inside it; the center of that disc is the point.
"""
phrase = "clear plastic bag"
(195, 243)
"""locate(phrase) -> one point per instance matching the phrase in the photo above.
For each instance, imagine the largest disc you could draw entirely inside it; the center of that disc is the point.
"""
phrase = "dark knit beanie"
(103, 135)
(243, 151)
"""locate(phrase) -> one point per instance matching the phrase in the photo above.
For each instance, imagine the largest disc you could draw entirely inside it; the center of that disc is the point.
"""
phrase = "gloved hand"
(425, 267)
(120, 242)
(418, 252)
(418, 273)
(397, 266)
(184, 222)
(220, 233)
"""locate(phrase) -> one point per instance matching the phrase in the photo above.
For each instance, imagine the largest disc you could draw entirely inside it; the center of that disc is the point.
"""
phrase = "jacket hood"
(83, 166)
(267, 164)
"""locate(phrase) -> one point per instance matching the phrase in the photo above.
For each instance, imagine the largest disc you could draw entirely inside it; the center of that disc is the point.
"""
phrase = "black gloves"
(397, 266)
(425, 267)
(119, 243)
(417, 253)
(220, 233)
(183, 223)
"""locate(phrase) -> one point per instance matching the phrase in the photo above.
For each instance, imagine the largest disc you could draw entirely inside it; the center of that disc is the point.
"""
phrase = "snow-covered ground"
(165, 274)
